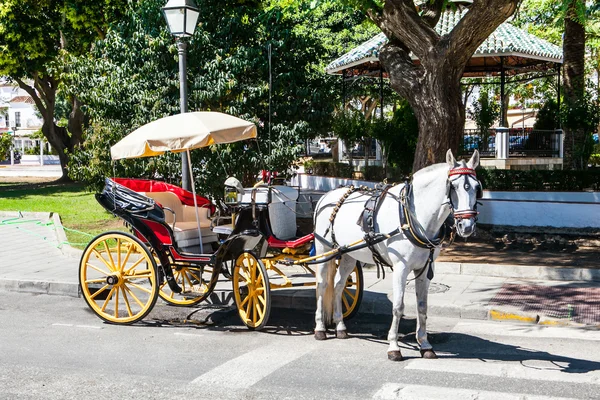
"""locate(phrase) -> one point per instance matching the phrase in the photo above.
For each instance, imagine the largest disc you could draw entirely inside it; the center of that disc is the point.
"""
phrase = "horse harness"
(408, 225)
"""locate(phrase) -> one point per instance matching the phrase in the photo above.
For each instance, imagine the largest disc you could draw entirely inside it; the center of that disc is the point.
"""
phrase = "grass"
(78, 208)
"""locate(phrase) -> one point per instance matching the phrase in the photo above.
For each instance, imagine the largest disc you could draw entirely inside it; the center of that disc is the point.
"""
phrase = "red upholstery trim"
(161, 232)
(147, 185)
(180, 257)
(281, 244)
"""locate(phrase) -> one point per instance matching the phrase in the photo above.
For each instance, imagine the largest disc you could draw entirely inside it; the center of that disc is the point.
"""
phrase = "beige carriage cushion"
(186, 226)
(169, 200)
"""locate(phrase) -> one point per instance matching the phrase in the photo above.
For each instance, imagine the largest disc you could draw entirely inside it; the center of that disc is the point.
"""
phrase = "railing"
(522, 142)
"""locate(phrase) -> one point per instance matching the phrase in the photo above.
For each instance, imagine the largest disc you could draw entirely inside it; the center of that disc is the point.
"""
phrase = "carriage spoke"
(112, 262)
(254, 307)
(345, 300)
(108, 298)
(262, 300)
(349, 294)
(134, 266)
(117, 303)
(102, 289)
(143, 289)
(126, 302)
(129, 252)
(96, 268)
(244, 301)
(261, 311)
(100, 258)
(134, 296)
(118, 254)
(98, 280)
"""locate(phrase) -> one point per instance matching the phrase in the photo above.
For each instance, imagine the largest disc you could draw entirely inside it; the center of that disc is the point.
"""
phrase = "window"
(18, 119)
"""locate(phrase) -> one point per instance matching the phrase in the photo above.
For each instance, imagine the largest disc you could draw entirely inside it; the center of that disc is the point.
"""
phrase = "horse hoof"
(341, 335)
(395, 355)
(320, 335)
(429, 354)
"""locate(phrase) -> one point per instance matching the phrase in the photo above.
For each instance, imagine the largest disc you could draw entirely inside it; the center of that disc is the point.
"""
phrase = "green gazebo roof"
(521, 50)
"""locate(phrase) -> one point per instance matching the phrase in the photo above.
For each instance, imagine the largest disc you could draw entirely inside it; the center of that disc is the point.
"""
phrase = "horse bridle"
(468, 173)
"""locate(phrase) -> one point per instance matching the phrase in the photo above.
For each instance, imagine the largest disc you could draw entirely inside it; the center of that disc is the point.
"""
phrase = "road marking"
(391, 391)
(529, 331)
(78, 326)
(88, 326)
(249, 368)
(532, 369)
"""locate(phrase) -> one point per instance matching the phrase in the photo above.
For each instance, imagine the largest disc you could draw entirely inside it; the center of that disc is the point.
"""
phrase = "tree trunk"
(44, 97)
(432, 87)
(440, 112)
(574, 72)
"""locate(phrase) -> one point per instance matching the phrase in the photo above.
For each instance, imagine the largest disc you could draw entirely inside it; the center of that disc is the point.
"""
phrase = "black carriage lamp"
(182, 17)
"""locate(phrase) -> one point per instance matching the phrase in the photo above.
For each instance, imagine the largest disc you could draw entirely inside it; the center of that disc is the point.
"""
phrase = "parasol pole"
(195, 200)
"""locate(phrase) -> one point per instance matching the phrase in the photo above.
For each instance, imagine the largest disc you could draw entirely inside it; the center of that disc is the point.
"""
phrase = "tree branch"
(482, 19)
(431, 12)
(31, 91)
(401, 18)
(405, 76)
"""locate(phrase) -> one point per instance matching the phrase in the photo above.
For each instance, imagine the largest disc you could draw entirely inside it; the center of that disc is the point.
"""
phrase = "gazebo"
(506, 53)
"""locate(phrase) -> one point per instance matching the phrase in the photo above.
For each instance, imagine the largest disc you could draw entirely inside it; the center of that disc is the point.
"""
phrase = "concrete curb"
(519, 271)
(65, 247)
(69, 289)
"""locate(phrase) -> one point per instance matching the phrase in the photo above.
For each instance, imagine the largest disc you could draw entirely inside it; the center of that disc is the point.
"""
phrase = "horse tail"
(328, 297)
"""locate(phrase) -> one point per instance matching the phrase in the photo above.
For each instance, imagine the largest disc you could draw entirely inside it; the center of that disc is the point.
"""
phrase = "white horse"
(411, 244)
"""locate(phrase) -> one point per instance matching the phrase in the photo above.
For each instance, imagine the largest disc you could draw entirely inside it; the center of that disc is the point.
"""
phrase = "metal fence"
(522, 142)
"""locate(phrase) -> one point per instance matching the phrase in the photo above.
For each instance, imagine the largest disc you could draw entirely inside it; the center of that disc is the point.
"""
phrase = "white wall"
(570, 210)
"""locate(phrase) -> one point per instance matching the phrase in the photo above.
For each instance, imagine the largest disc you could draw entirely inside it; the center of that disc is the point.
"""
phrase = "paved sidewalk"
(18, 170)
(36, 260)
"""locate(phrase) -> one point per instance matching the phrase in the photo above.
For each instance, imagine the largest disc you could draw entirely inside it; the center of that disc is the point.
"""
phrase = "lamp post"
(182, 17)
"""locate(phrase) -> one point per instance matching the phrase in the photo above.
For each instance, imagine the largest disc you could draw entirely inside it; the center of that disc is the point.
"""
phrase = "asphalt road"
(53, 347)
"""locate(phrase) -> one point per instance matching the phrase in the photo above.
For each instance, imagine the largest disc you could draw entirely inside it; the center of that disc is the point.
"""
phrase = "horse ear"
(450, 159)
(474, 161)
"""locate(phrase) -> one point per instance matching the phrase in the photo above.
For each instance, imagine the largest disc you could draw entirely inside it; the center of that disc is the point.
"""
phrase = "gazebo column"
(558, 138)
(502, 131)
(41, 152)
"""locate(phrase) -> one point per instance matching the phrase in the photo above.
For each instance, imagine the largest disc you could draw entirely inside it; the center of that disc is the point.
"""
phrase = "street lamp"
(182, 17)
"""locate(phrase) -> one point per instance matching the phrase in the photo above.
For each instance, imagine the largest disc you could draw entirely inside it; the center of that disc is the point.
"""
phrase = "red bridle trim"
(462, 171)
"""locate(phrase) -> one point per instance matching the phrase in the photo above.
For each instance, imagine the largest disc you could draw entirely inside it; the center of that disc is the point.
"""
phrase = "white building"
(18, 117)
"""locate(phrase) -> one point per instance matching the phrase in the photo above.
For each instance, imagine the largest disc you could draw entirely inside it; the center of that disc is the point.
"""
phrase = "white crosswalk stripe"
(396, 391)
(249, 368)
(524, 330)
(543, 370)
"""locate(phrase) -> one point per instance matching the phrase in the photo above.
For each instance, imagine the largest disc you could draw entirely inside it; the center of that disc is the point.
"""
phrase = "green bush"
(539, 180)
(374, 173)
(331, 169)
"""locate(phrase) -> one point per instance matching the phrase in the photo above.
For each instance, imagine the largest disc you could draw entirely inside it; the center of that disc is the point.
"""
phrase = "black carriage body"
(147, 219)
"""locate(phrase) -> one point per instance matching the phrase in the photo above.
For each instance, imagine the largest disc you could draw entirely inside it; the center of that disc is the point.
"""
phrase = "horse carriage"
(176, 251)
(179, 247)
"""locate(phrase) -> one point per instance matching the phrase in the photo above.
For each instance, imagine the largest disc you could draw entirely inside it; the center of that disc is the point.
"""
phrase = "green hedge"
(539, 180)
(332, 169)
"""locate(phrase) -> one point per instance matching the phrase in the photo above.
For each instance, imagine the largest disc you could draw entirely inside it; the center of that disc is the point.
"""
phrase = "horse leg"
(320, 327)
(399, 284)
(345, 267)
(422, 289)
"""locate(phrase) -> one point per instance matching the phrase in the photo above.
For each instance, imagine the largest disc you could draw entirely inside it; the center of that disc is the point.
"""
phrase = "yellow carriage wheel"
(117, 276)
(252, 291)
(196, 282)
(353, 292)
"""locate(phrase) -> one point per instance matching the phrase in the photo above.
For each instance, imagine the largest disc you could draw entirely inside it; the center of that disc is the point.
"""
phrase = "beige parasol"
(183, 132)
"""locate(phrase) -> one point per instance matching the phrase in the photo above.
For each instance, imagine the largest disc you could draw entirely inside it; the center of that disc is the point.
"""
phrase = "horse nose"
(465, 227)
